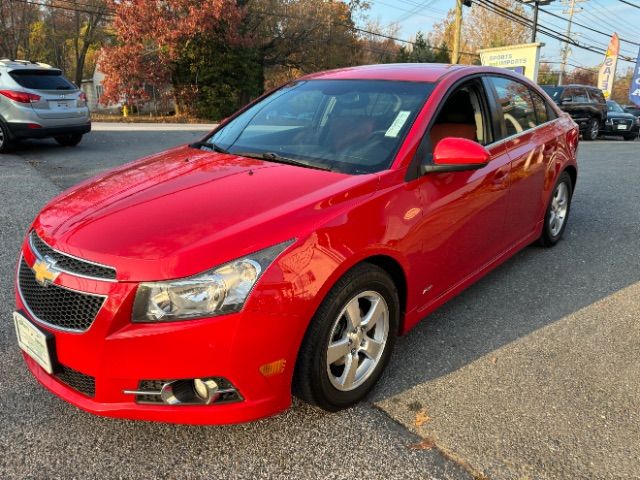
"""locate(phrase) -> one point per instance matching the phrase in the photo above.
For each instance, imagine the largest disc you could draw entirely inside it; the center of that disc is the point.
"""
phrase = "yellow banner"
(608, 68)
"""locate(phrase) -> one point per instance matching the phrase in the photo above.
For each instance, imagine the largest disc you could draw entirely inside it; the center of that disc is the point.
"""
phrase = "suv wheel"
(633, 136)
(591, 132)
(69, 140)
(4, 139)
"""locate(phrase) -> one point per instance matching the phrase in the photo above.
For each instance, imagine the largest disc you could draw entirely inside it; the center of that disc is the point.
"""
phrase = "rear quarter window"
(42, 80)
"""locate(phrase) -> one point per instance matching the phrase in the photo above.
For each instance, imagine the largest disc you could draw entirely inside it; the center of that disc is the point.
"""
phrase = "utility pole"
(536, 7)
(455, 56)
(457, 33)
(566, 49)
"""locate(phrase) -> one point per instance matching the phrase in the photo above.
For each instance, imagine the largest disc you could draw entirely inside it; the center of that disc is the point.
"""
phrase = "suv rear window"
(42, 79)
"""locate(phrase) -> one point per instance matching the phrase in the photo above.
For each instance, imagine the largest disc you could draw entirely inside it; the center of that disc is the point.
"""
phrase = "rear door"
(576, 103)
(530, 140)
(59, 98)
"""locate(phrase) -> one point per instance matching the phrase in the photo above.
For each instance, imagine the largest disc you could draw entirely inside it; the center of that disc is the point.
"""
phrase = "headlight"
(221, 290)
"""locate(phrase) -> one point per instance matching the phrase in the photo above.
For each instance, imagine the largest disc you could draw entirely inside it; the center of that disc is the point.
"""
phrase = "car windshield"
(42, 79)
(350, 126)
(614, 107)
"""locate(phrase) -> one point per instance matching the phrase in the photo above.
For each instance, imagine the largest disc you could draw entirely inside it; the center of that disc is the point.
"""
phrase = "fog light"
(206, 390)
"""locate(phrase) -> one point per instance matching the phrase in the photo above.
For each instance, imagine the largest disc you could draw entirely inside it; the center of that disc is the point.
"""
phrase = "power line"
(506, 13)
(629, 3)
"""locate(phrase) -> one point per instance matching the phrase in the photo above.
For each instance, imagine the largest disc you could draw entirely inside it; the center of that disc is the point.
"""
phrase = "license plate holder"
(37, 343)
(622, 127)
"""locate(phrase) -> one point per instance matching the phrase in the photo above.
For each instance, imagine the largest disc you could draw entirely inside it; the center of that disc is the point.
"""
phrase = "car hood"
(619, 115)
(183, 211)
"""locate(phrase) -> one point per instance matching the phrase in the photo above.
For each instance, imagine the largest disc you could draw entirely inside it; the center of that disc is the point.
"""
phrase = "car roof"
(24, 65)
(413, 72)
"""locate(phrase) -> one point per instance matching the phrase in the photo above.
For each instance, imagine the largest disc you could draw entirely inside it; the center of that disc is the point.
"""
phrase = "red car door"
(531, 144)
(463, 212)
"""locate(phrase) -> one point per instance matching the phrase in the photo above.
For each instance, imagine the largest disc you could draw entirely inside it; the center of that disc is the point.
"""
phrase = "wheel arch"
(394, 269)
(573, 173)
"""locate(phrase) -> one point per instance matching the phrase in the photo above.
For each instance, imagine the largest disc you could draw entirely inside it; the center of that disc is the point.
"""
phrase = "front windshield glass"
(350, 126)
(614, 107)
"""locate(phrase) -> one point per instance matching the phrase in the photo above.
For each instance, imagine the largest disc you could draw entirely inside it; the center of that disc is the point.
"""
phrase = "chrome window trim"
(516, 135)
(39, 256)
(47, 324)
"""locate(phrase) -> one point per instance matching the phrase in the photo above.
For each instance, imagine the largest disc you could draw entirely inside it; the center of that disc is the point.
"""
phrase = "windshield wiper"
(276, 157)
(216, 148)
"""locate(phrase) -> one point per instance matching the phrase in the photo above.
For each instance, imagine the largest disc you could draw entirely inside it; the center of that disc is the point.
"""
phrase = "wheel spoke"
(353, 314)
(374, 314)
(349, 374)
(372, 348)
(338, 350)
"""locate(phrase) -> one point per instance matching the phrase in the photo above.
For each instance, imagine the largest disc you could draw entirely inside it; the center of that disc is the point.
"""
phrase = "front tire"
(592, 130)
(349, 340)
(557, 215)
(631, 137)
(69, 140)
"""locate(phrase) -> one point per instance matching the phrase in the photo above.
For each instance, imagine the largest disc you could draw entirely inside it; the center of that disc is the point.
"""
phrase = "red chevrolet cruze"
(286, 250)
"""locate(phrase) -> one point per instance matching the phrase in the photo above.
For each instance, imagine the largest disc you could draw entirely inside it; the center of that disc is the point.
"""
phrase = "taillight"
(21, 97)
(82, 99)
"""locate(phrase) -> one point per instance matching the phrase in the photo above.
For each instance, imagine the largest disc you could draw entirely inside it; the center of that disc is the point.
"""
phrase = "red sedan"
(286, 250)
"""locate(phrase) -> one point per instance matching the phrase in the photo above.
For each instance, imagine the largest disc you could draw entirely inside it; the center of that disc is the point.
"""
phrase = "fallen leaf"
(425, 444)
(494, 360)
(422, 418)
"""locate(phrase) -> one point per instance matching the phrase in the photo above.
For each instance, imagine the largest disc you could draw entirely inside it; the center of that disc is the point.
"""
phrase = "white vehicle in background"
(37, 101)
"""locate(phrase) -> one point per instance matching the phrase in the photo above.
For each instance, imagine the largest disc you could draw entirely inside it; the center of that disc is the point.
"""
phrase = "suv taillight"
(82, 99)
(21, 97)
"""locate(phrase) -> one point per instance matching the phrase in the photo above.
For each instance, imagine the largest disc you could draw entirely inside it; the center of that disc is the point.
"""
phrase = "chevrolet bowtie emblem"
(45, 271)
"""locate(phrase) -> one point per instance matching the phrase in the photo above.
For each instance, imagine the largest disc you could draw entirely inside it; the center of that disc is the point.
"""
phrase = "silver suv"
(36, 101)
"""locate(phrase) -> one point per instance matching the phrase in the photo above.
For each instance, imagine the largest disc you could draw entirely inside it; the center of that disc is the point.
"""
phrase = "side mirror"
(453, 154)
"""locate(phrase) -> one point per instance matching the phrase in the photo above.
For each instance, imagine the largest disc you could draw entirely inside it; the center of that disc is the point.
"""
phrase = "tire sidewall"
(377, 280)
(553, 239)
(588, 135)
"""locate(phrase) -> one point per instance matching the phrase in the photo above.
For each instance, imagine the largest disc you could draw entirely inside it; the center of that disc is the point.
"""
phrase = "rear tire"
(69, 140)
(5, 143)
(557, 215)
(591, 131)
(349, 340)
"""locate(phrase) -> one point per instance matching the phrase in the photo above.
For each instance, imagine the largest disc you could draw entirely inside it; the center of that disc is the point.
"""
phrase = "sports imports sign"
(523, 58)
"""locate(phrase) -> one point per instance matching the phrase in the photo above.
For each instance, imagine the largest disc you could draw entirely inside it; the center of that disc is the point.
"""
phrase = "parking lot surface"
(533, 372)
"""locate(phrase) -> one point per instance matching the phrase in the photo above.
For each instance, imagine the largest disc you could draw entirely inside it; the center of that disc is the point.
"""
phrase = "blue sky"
(604, 15)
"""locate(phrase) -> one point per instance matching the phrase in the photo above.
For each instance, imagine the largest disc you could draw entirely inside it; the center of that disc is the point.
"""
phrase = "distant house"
(93, 89)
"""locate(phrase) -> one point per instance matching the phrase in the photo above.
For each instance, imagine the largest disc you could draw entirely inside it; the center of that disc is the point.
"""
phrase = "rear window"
(42, 80)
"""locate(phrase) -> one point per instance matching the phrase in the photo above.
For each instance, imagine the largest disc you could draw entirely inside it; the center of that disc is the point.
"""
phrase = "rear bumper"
(20, 131)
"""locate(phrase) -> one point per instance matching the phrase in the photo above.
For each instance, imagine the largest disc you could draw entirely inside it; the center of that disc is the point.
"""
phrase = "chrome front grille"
(57, 306)
(68, 263)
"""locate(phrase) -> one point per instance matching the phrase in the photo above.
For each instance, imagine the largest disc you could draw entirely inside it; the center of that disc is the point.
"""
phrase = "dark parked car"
(584, 103)
(632, 109)
(620, 123)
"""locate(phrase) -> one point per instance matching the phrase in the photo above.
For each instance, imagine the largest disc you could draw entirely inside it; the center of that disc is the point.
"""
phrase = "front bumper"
(119, 355)
(22, 131)
(613, 130)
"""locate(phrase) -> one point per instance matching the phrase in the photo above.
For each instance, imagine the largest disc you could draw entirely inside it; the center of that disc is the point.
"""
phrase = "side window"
(568, 95)
(596, 96)
(517, 106)
(540, 107)
(463, 115)
(580, 96)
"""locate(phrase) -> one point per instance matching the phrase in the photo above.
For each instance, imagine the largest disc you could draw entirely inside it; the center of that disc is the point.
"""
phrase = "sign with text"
(608, 68)
(522, 58)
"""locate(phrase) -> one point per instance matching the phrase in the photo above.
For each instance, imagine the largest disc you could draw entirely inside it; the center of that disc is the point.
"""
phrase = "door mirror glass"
(453, 154)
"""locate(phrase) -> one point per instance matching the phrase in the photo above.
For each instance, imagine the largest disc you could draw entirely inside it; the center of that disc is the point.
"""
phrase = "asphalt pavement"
(534, 372)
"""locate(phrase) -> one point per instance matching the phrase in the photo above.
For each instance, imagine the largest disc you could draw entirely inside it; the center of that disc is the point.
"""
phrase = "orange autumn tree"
(151, 38)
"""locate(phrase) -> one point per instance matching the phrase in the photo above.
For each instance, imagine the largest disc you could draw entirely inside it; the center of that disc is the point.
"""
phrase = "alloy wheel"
(357, 340)
(595, 127)
(559, 206)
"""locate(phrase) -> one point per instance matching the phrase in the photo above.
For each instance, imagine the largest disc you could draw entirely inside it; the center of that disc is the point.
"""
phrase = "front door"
(463, 212)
